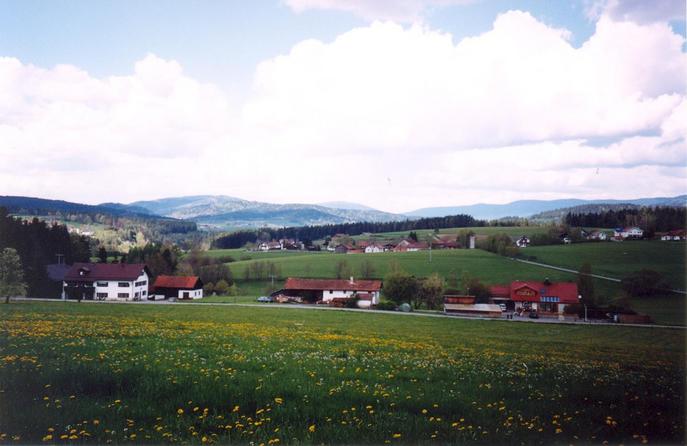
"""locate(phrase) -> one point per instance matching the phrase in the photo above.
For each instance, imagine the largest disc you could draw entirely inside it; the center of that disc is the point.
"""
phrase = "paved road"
(596, 276)
(324, 308)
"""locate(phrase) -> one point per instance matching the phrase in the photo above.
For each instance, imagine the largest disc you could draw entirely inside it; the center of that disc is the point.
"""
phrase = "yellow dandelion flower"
(47, 437)
(312, 428)
(396, 435)
(278, 400)
(180, 411)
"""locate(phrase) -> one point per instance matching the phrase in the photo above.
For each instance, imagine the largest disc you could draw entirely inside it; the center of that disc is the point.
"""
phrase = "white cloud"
(394, 117)
(404, 11)
(639, 11)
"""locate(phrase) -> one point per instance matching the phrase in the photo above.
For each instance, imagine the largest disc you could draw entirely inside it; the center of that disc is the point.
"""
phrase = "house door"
(185, 295)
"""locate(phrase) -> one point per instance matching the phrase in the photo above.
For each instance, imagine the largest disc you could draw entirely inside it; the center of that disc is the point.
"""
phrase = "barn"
(179, 287)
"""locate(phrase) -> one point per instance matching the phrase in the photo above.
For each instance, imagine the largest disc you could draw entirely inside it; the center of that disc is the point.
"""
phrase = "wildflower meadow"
(200, 374)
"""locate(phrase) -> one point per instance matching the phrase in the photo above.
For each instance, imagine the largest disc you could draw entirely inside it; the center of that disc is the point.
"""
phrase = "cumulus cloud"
(395, 117)
(403, 11)
(388, 87)
(639, 11)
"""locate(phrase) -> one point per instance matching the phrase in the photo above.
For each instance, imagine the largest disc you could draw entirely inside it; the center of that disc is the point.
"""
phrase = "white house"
(522, 242)
(373, 248)
(327, 290)
(597, 235)
(107, 281)
(629, 232)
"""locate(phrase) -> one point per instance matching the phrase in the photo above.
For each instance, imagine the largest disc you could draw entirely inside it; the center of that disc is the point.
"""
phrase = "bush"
(222, 287)
(645, 282)
(386, 305)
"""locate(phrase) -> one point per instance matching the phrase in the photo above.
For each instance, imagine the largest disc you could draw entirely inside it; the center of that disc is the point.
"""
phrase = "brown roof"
(106, 271)
(184, 282)
(293, 283)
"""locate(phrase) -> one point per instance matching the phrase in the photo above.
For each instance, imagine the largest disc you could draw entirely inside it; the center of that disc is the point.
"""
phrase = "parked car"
(264, 299)
(534, 315)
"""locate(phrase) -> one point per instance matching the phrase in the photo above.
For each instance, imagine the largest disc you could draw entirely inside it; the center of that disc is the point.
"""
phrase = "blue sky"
(379, 88)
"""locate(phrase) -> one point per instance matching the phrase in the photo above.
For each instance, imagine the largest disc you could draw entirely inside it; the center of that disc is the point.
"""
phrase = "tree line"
(650, 219)
(241, 238)
(37, 245)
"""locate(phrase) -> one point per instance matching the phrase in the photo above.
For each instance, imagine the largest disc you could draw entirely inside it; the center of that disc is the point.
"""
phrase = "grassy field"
(514, 231)
(619, 259)
(242, 254)
(489, 267)
(128, 373)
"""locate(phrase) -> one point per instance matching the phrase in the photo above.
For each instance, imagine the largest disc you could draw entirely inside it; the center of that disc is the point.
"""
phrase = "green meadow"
(618, 259)
(198, 374)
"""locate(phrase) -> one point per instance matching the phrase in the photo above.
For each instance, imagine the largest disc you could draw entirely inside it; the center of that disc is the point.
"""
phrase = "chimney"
(351, 281)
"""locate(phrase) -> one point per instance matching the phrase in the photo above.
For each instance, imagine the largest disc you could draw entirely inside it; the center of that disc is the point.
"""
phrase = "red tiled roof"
(565, 291)
(500, 290)
(105, 271)
(293, 283)
(185, 282)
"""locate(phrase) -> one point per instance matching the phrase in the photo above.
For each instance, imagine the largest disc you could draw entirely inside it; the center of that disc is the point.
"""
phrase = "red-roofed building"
(179, 287)
(326, 290)
(543, 297)
(107, 281)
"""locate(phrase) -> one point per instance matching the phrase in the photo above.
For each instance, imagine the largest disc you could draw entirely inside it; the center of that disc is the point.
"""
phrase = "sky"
(397, 105)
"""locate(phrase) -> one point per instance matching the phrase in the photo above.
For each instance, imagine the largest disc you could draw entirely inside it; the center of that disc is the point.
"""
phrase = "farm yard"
(103, 373)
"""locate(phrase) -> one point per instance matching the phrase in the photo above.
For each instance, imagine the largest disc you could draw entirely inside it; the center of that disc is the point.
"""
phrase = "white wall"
(192, 294)
(113, 289)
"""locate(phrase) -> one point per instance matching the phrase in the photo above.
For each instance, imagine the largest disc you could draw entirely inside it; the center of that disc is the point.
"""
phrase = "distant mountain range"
(225, 212)
(528, 208)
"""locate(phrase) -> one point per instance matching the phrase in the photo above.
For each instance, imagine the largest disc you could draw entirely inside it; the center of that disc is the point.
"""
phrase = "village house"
(547, 298)
(522, 242)
(406, 245)
(373, 248)
(178, 287)
(327, 290)
(445, 242)
(107, 281)
(632, 232)
(597, 235)
(674, 235)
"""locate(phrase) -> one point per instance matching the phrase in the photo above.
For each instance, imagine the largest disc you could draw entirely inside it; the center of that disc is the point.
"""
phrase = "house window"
(101, 284)
(101, 295)
(331, 291)
(141, 283)
(122, 294)
(144, 292)
(123, 284)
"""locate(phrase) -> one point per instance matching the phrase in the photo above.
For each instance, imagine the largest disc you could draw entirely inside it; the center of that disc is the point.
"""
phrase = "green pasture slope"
(242, 254)
(196, 374)
(619, 259)
(513, 231)
(490, 268)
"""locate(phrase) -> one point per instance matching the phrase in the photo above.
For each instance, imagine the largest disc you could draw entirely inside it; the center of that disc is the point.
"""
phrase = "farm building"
(633, 232)
(466, 306)
(314, 290)
(178, 287)
(522, 242)
(373, 248)
(542, 297)
(597, 235)
(107, 281)
(675, 235)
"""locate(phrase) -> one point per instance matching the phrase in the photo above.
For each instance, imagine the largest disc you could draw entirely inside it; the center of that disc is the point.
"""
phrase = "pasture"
(489, 267)
(137, 373)
(619, 259)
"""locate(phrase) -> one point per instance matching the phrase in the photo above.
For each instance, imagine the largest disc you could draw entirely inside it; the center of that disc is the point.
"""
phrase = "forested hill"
(239, 239)
(41, 206)
(650, 219)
